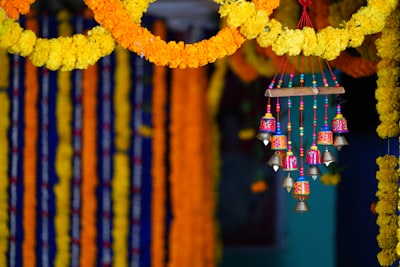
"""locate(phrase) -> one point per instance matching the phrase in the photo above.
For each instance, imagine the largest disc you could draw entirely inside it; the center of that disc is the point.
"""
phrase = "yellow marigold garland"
(386, 208)
(354, 66)
(214, 94)
(30, 160)
(64, 156)
(4, 159)
(121, 180)
(387, 93)
(158, 171)
(65, 53)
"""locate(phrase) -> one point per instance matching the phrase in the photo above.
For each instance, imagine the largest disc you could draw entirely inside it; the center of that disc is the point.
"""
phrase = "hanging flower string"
(178, 226)
(214, 94)
(386, 208)
(64, 156)
(158, 217)
(121, 179)
(30, 152)
(388, 104)
(4, 156)
(89, 165)
(387, 93)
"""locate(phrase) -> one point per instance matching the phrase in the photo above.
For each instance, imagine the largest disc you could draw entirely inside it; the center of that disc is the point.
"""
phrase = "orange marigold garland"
(178, 228)
(14, 8)
(159, 158)
(192, 235)
(112, 16)
(89, 165)
(30, 160)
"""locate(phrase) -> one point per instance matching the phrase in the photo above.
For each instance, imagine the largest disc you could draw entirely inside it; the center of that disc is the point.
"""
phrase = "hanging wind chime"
(291, 83)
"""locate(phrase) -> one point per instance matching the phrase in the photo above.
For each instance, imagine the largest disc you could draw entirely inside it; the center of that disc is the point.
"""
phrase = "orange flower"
(158, 161)
(14, 8)
(114, 17)
(89, 173)
(30, 160)
(259, 186)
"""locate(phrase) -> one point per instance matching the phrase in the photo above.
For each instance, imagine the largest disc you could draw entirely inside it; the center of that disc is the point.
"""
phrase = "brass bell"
(264, 137)
(275, 161)
(313, 171)
(340, 141)
(327, 158)
(287, 183)
(301, 207)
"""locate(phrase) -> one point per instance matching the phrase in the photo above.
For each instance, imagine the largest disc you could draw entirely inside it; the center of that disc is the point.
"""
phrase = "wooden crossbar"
(303, 91)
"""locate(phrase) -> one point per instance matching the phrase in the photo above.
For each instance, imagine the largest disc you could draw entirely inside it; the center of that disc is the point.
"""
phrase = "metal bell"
(275, 161)
(288, 183)
(301, 207)
(313, 171)
(340, 141)
(264, 137)
(327, 158)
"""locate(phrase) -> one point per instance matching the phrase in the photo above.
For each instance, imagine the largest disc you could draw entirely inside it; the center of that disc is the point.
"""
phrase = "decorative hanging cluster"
(290, 83)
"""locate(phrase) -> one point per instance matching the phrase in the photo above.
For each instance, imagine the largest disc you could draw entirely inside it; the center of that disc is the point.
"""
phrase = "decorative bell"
(301, 206)
(267, 127)
(289, 162)
(313, 156)
(313, 171)
(340, 141)
(278, 141)
(327, 158)
(325, 136)
(301, 192)
(339, 124)
(288, 183)
(275, 161)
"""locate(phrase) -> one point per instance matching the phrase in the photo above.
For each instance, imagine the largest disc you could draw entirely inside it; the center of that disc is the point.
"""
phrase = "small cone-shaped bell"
(264, 137)
(287, 183)
(340, 141)
(275, 161)
(301, 206)
(327, 158)
(313, 171)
